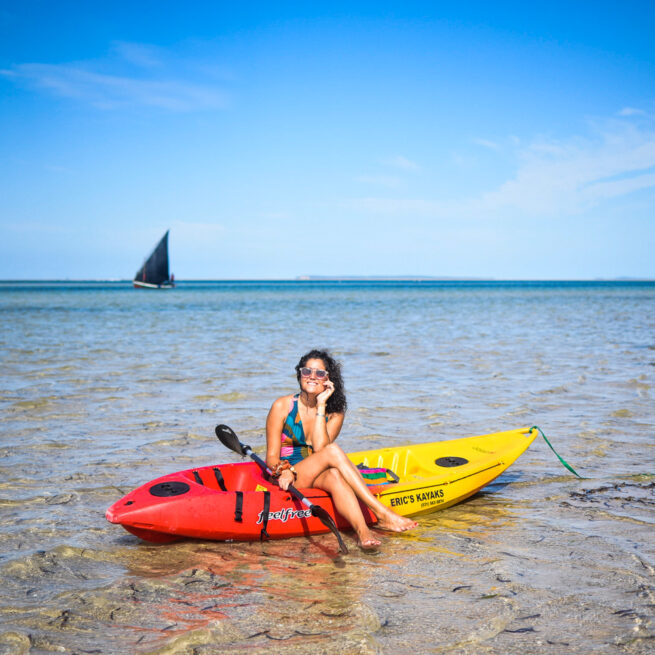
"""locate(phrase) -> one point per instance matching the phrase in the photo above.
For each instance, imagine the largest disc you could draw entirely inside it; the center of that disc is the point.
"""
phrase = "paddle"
(230, 440)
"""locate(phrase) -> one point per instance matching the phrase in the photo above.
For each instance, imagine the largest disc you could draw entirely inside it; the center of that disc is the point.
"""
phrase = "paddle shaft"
(230, 440)
(291, 489)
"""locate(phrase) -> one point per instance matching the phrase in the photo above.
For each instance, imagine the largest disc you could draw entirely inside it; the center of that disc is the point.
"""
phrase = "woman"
(300, 446)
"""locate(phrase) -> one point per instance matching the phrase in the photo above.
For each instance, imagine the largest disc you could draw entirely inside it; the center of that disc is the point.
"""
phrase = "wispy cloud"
(388, 181)
(132, 75)
(552, 177)
(575, 175)
(631, 111)
(140, 54)
(401, 162)
(485, 143)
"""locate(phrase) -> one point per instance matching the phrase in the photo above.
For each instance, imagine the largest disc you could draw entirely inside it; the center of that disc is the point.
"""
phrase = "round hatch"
(449, 462)
(164, 489)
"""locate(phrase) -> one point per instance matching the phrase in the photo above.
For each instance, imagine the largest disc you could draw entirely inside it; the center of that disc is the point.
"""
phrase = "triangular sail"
(155, 269)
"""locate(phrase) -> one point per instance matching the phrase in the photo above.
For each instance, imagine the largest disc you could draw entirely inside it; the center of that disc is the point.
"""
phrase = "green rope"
(561, 459)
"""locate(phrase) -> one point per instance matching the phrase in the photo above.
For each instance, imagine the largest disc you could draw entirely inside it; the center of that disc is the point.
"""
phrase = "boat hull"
(146, 285)
(192, 504)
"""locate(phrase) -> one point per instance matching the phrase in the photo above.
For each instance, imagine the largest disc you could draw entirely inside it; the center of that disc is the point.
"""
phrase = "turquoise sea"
(104, 387)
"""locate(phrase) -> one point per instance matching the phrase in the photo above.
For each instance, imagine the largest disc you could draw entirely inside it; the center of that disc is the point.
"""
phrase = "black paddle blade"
(229, 439)
(327, 521)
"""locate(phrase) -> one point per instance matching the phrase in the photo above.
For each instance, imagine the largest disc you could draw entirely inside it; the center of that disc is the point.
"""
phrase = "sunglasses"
(318, 372)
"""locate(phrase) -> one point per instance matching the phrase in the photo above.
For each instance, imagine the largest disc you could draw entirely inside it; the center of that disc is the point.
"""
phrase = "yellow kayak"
(436, 475)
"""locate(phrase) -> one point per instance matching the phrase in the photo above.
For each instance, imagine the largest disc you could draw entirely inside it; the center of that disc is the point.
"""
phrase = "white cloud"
(552, 177)
(387, 181)
(140, 54)
(614, 188)
(401, 162)
(631, 111)
(140, 75)
(578, 174)
(485, 143)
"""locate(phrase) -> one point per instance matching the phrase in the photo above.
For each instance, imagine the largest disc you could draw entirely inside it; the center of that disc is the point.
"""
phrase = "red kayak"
(222, 503)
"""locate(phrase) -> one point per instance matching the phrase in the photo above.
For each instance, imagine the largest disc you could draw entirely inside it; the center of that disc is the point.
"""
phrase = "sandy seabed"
(539, 562)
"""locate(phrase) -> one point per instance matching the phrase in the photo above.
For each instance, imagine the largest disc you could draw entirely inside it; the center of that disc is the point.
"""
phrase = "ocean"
(104, 387)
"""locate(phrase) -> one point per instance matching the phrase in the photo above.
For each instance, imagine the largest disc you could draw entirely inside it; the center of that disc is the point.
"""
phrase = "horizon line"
(348, 278)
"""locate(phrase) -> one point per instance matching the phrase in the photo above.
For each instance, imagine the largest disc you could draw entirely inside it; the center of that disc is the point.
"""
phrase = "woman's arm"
(325, 433)
(274, 425)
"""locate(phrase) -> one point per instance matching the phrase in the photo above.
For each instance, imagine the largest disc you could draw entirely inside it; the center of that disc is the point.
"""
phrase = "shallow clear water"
(104, 388)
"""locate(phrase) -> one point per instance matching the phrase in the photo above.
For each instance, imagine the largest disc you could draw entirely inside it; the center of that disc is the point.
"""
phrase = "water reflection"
(245, 595)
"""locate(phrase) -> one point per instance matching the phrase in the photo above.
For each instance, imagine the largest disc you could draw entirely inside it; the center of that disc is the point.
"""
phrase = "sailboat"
(154, 272)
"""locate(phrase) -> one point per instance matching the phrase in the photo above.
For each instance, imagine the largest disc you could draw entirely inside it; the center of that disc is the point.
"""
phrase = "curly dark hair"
(337, 401)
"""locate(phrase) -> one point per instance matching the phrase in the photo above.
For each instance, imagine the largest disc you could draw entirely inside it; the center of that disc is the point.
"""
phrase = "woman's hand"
(285, 480)
(322, 397)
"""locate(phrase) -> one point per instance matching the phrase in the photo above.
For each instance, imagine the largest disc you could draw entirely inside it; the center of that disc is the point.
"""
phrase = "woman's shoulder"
(283, 403)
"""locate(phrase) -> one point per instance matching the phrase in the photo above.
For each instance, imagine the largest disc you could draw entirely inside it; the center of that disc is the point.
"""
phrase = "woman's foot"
(367, 540)
(395, 523)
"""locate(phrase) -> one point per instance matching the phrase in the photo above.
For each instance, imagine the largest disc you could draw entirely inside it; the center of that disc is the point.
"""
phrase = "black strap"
(267, 507)
(219, 479)
(196, 475)
(238, 507)
(393, 476)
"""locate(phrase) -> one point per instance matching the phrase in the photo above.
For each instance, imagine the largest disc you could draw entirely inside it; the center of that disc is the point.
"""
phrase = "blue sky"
(469, 139)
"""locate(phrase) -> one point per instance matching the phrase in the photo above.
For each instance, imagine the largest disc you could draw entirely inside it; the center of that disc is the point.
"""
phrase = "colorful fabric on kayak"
(294, 444)
(377, 476)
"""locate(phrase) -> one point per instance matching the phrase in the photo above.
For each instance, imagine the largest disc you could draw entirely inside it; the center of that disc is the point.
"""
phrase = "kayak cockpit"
(241, 476)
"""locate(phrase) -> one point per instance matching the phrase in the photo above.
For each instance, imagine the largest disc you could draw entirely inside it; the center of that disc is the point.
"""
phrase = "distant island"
(390, 278)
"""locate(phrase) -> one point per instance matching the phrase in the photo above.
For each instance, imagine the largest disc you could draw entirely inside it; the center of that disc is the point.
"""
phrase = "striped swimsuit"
(294, 444)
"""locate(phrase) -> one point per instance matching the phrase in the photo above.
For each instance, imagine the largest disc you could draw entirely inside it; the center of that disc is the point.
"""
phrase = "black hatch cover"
(451, 461)
(169, 489)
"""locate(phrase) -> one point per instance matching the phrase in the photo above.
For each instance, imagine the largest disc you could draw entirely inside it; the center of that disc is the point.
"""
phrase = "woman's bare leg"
(347, 505)
(332, 456)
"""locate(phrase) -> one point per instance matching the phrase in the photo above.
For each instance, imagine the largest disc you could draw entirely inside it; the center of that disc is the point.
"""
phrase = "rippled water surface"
(104, 388)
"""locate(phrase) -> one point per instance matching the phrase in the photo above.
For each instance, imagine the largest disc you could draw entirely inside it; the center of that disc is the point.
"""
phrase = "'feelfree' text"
(285, 514)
